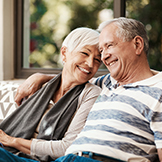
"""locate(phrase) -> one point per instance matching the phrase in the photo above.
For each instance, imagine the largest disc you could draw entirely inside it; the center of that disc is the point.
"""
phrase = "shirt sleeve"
(100, 81)
(57, 148)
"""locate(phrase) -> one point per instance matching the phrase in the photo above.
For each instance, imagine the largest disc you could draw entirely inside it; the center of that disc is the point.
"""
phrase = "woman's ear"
(139, 44)
(63, 53)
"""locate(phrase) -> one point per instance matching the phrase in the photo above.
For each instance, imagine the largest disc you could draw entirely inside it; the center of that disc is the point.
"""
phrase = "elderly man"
(125, 123)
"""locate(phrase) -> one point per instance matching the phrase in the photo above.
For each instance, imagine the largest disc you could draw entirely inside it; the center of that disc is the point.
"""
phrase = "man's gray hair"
(128, 29)
(81, 37)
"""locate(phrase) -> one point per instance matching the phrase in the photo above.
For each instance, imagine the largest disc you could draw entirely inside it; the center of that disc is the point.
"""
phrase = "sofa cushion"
(7, 93)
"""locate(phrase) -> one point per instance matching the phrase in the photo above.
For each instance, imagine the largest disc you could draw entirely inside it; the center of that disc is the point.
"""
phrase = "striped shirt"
(125, 121)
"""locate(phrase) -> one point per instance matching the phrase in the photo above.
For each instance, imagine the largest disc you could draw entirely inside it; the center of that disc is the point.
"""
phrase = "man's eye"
(109, 45)
(100, 50)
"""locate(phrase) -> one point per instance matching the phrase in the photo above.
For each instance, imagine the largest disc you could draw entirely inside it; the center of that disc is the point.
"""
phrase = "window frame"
(20, 72)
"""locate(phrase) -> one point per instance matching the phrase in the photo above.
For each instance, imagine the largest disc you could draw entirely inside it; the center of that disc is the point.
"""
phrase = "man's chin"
(113, 74)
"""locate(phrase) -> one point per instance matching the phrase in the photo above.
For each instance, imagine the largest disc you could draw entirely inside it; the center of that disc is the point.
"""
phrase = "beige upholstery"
(7, 93)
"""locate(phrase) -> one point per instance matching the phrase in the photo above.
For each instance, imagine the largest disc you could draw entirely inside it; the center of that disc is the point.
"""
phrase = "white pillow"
(7, 103)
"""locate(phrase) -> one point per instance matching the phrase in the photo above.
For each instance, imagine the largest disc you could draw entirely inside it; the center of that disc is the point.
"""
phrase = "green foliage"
(150, 13)
(87, 15)
(52, 20)
(41, 35)
(64, 15)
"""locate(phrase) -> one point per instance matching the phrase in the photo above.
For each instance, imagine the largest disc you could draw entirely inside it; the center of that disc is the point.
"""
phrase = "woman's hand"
(30, 86)
(5, 139)
(18, 143)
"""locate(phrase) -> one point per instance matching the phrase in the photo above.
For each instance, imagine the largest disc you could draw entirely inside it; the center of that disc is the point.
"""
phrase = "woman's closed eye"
(85, 53)
(98, 60)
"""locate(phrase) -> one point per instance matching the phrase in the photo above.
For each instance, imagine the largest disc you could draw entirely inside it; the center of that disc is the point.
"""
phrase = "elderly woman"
(45, 125)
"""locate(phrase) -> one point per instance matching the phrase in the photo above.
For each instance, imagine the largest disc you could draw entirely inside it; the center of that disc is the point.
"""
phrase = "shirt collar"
(147, 82)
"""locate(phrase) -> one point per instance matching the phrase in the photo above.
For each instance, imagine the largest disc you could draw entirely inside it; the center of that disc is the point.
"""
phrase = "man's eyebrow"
(110, 42)
(105, 44)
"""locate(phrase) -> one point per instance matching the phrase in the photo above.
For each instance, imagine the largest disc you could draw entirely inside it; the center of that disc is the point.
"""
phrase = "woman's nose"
(89, 62)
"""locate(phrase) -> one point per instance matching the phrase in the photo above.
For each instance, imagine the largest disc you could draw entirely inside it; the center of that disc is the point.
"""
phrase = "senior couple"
(124, 123)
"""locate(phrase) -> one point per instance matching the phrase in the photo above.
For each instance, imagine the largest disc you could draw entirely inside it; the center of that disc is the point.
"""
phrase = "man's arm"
(31, 85)
(160, 154)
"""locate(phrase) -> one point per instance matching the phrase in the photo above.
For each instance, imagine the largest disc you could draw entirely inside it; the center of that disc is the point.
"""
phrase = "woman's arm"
(57, 148)
(160, 154)
(18, 143)
(31, 85)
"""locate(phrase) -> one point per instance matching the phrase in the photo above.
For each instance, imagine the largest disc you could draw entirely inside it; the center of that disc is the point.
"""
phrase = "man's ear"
(139, 44)
(63, 53)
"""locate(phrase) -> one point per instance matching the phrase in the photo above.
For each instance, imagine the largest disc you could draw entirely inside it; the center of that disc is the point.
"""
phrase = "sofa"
(7, 93)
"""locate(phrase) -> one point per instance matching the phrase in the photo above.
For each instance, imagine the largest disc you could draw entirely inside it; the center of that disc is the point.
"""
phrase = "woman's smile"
(83, 70)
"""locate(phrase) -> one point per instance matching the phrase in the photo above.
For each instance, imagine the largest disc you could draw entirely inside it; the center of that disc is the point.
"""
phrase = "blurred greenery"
(149, 12)
(52, 20)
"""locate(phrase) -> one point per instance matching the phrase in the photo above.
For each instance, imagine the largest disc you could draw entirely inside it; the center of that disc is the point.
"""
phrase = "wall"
(6, 40)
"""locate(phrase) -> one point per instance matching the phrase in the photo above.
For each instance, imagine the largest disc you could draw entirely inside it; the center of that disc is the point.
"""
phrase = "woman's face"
(81, 64)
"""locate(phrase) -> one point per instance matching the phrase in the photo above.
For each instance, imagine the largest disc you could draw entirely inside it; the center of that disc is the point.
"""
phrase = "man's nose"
(105, 55)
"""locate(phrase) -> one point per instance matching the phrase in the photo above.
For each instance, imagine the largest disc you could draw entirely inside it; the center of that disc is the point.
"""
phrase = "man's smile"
(112, 63)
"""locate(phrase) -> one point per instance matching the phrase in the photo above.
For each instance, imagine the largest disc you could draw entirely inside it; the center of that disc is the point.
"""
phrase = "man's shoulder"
(103, 80)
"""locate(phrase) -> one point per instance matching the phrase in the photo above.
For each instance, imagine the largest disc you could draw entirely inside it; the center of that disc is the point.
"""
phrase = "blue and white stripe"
(125, 122)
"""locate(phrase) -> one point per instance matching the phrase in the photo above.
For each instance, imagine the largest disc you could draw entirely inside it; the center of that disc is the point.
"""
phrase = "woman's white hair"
(81, 37)
(128, 29)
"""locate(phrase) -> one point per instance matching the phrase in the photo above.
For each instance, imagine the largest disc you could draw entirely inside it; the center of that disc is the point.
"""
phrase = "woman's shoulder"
(89, 93)
(91, 87)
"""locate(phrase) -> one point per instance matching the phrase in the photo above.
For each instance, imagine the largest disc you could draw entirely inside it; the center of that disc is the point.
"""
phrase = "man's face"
(117, 55)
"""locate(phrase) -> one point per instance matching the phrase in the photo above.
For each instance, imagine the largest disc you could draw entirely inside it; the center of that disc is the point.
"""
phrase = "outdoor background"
(51, 20)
